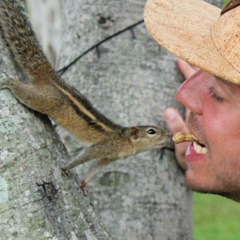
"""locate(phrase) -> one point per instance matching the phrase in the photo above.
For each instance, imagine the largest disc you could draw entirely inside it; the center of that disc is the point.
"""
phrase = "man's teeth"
(199, 149)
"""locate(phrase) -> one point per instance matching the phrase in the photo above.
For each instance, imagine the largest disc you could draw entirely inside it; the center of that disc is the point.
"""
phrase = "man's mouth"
(199, 147)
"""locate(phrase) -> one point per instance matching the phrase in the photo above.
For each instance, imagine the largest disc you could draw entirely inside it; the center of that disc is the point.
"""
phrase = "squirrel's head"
(145, 138)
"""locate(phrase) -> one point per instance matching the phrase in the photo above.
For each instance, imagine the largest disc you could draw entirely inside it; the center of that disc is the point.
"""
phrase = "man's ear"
(134, 132)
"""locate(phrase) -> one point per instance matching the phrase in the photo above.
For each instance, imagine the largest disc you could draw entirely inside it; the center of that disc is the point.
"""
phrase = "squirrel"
(45, 92)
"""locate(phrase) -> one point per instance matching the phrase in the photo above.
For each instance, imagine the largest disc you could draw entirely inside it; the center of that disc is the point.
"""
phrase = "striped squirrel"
(47, 93)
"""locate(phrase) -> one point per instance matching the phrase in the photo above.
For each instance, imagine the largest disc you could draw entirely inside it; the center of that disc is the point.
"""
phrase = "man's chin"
(196, 187)
(198, 183)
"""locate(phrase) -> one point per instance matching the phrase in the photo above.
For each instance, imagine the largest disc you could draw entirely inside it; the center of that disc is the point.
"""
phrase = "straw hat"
(197, 32)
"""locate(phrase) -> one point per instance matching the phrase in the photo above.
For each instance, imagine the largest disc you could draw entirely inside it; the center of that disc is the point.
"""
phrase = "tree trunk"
(131, 80)
(37, 201)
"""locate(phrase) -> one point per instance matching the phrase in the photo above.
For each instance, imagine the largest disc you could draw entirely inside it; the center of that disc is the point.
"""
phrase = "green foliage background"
(215, 217)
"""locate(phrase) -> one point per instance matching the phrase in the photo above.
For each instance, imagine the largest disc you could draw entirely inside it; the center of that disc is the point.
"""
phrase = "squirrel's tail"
(22, 41)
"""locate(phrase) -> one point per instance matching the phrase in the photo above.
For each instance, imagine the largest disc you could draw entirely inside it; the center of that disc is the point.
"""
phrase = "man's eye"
(151, 131)
(214, 96)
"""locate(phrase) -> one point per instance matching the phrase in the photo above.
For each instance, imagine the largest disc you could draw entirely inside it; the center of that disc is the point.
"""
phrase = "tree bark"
(46, 19)
(131, 80)
(37, 201)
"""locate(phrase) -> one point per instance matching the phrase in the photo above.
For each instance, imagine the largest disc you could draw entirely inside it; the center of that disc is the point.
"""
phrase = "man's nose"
(191, 93)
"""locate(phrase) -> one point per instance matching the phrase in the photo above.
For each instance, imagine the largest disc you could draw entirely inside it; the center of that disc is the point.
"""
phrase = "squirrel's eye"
(151, 131)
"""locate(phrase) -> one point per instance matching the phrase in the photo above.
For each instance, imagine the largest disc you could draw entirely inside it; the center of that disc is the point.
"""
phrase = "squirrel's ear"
(134, 132)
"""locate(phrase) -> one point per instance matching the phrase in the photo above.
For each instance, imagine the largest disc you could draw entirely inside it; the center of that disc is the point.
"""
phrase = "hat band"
(232, 4)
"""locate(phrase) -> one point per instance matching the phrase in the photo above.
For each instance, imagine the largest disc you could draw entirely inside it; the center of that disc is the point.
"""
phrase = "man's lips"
(195, 148)
(195, 151)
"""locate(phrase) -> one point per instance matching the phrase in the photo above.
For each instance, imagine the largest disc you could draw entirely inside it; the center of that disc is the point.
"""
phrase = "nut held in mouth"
(183, 137)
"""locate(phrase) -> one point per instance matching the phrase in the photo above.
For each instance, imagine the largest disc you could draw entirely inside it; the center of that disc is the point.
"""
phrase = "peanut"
(183, 137)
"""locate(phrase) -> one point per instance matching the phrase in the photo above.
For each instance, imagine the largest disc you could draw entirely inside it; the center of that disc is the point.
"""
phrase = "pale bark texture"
(37, 201)
(46, 19)
(131, 80)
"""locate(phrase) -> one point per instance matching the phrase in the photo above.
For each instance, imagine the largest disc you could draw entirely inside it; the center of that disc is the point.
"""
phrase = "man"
(209, 39)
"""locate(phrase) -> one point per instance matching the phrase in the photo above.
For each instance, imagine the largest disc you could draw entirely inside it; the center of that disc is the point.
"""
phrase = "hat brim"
(183, 27)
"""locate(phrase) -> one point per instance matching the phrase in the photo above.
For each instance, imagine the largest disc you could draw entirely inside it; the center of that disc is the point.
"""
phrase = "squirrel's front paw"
(83, 184)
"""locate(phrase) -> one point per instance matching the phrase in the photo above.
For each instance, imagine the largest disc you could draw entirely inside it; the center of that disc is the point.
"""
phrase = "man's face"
(213, 165)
